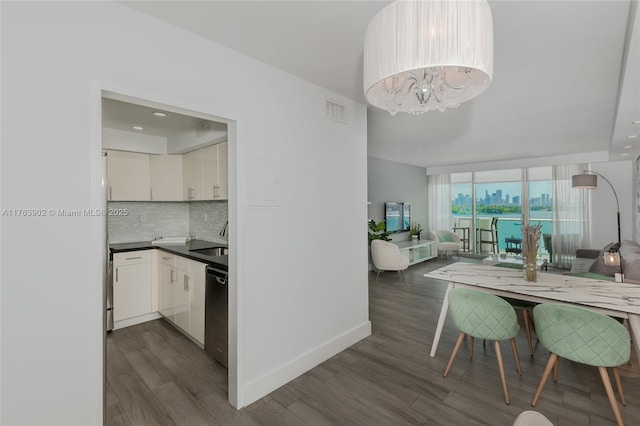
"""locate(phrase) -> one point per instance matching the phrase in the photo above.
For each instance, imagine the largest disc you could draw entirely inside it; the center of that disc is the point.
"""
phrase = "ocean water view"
(509, 226)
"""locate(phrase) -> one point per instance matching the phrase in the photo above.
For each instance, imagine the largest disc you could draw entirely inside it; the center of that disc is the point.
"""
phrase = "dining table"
(620, 300)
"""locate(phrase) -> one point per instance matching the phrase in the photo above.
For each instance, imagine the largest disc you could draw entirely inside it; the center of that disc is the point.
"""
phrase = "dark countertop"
(220, 262)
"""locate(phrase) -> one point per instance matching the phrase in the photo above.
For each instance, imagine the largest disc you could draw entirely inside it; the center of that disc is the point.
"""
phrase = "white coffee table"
(494, 259)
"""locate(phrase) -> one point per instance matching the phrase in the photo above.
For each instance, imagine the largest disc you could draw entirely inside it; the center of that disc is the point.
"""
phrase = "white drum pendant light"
(426, 55)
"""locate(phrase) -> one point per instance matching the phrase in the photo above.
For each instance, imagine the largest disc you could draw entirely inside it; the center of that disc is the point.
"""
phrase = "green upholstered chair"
(521, 305)
(485, 316)
(584, 336)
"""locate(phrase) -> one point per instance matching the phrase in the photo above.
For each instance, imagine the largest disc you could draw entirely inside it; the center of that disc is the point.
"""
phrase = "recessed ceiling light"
(138, 127)
(628, 147)
(159, 114)
(624, 155)
(635, 122)
(632, 137)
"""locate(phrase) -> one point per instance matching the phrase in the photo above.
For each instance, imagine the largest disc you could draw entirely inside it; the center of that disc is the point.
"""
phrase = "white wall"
(298, 203)
(397, 182)
(604, 225)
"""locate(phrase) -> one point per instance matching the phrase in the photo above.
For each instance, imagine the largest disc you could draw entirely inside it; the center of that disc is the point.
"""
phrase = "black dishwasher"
(216, 324)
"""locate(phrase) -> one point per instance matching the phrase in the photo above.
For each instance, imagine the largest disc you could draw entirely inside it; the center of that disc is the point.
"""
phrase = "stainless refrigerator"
(107, 274)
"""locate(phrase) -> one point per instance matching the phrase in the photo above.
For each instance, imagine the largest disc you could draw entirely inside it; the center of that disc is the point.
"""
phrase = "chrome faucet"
(223, 231)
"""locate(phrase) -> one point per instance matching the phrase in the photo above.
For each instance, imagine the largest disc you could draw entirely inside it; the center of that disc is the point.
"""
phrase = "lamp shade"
(584, 181)
(612, 259)
(426, 55)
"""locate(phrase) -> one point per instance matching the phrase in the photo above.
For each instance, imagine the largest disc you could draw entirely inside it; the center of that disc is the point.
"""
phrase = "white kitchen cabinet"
(132, 284)
(193, 175)
(196, 301)
(167, 281)
(190, 297)
(128, 176)
(205, 173)
(222, 191)
(181, 293)
(166, 174)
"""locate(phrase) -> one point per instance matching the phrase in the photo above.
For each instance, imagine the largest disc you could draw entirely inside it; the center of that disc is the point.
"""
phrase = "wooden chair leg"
(547, 370)
(403, 281)
(527, 327)
(610, 395)
(515, 355)
(616, 375)
(378, 274)
(453, 354)
(556, 369)
(471, 340)
(503, 378)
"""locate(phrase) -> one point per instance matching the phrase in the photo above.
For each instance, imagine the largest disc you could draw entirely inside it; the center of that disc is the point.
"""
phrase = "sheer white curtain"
(439, 193)
(570, 216)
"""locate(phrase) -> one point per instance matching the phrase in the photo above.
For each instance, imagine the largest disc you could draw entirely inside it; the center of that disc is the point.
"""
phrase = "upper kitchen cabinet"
(129, 176)
(205, 173)
(223, 181)
(166, 173)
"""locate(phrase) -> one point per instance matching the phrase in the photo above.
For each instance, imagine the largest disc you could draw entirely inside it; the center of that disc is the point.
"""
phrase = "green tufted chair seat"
(584, 336)
(483, 315)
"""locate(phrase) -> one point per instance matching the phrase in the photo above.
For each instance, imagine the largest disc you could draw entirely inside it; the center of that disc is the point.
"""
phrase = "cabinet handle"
(190, 193)
(110, 196)
(116, 274)
(186, 282)
(151, 194)
(165, 258)
(173, 279)
(132, 258)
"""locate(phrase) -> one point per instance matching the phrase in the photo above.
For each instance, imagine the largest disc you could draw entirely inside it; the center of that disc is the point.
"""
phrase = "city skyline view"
(502, 194)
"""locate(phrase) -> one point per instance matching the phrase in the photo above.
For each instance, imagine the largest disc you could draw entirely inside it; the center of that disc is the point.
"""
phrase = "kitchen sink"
(212, 251)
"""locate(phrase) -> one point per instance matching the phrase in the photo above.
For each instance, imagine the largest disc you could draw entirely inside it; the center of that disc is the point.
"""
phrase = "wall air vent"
(336, 112)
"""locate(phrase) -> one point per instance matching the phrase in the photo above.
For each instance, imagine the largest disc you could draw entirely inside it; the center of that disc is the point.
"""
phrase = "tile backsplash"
(145, 221)
(207, 218)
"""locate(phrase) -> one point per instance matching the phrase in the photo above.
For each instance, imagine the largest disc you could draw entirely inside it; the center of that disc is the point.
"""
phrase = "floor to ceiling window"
(462, 209)
(541, 205)
(489, 208)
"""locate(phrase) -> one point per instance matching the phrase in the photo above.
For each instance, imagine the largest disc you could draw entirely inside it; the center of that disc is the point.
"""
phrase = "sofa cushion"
(632, 269)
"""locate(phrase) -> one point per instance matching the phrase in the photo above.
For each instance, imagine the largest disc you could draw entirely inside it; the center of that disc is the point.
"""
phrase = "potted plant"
(415, 230)
(377, 231)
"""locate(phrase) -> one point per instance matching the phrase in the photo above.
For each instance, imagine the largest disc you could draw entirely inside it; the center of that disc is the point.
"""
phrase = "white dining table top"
(622, 297)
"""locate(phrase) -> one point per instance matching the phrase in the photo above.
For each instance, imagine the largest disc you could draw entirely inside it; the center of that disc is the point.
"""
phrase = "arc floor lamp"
(589, 180)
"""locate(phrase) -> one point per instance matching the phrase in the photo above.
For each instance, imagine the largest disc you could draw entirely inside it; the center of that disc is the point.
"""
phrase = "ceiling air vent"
(203, 127)
(336, 112)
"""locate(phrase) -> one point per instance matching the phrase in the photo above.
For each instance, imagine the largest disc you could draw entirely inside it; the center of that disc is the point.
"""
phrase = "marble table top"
(621, 297)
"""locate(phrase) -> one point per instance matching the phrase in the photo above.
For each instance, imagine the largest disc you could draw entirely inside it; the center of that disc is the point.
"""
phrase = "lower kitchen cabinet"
(132, 286)
(180, 286)
(167, 282)
(196, 301)
(189, 297)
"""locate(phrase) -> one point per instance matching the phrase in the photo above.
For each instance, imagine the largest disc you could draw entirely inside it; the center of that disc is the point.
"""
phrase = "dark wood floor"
(157, 376)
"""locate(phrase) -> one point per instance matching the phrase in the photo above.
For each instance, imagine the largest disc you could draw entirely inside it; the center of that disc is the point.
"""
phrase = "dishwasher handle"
(219, 275)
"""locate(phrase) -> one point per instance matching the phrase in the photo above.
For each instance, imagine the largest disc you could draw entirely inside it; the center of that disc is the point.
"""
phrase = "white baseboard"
(136, 320)
(272, 380)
